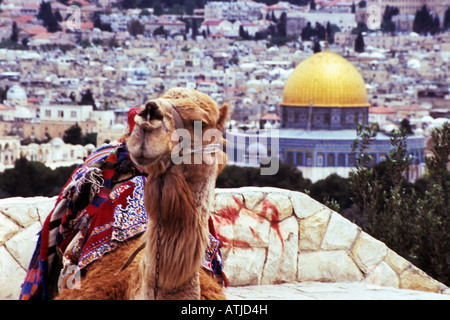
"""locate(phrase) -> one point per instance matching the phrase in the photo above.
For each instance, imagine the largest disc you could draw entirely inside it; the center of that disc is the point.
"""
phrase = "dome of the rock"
(325, 80)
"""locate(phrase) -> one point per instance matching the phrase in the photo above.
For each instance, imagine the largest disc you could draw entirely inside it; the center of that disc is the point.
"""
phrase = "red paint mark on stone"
(229, 213)
(255, 235)
(234, 243)
(238, 202)
(274, 218)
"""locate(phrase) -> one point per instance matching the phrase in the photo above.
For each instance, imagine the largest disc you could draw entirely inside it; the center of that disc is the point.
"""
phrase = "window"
(374, 158)
(73, 114)
(290, 158)
(341, 160)
(330, 160)
(352, 159)
(320, 159)
(299, 159)
(349, 118)
(60, 114)
(48, 113)
(309, 159)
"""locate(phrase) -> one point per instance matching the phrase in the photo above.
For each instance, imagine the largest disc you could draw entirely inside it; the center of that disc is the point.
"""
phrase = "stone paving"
(327, 291)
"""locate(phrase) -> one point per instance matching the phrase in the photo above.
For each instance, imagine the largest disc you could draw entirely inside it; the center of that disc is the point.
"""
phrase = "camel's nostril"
(151, 112)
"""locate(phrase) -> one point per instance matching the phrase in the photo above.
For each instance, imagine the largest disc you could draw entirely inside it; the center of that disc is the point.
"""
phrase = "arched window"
(373, 161)
(309, 159)
(299, 159)
(320, 159)
(330, 162)
(341, 160)
(290, 158)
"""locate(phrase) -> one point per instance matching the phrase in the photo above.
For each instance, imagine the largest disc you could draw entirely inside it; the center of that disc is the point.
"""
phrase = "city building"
(236, 10)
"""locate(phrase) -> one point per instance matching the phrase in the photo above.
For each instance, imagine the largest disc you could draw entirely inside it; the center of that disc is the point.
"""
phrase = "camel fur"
(186, 195)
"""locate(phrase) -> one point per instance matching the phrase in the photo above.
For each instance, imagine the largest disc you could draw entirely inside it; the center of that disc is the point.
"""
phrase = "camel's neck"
(179, 204)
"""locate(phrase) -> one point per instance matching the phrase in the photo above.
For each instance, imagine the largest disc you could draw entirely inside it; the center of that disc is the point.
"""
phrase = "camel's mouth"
(150, 139)
(142, 160)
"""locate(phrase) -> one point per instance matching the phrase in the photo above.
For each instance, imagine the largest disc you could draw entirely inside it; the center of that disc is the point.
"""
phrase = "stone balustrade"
(270, 236)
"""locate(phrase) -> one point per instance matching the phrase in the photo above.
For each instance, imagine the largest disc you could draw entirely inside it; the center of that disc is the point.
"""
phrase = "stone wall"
(20, 221)
(273, 235)
(270, 236)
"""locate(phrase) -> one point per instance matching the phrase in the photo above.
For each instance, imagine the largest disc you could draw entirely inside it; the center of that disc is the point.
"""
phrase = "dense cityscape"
(85, 63)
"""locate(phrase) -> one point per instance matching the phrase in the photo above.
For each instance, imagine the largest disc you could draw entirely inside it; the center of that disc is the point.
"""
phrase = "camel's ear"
(223, 117)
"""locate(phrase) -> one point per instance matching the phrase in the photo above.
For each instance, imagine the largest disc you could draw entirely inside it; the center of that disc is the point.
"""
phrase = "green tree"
(14, 33)
(135, 27)
(189, 6)
(387, 25)
(145, 4)
(46, 15)
(316, 46)
(87, 98)
(128, 4)
(194, 29)
(333, 188)
(359, 43)
(423, 21)
(73, 135)
(157, 8)
(287, 177)
(30, 179)
(3, 92)
(413, 220)
(446, 24)
(243, 34)
(282, 25)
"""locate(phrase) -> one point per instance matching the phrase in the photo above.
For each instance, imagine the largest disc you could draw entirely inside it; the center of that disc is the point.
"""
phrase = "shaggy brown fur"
(101, 283)
(186, 194)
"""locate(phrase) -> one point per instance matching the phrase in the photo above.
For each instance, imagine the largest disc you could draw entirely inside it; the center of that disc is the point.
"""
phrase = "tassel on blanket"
(92, 176)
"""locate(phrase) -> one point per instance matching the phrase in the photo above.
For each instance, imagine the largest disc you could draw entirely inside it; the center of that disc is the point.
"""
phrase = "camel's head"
(178, 128)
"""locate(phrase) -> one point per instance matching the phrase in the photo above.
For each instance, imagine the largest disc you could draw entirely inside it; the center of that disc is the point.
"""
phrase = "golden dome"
(326, 80)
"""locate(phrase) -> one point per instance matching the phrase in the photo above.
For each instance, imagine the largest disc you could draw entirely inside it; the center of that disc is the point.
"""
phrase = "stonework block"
(244, 265)
(21, 211)
(303, 205)
(328, 266)
(368, 252)
(340, 233)
(8, 228)
(382, 275)
(312, 230)
(251, 230)
(11, 276)
(22, 245)
(281, 262)
(396, 262)
(415, 279)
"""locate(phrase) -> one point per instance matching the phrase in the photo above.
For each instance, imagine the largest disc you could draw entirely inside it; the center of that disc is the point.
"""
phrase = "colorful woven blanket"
(89, 220)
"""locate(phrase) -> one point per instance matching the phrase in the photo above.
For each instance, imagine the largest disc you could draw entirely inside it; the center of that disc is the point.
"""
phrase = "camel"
(177, 199)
